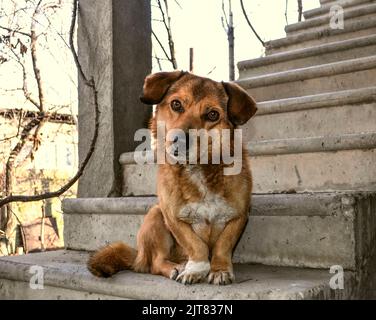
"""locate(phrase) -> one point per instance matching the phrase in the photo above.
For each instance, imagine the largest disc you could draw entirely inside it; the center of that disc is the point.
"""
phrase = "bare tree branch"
(286, 8)
(224, 18)
(34, 57)
(18, 128)
(300, 10)
(158, 60)
(25, 90)
(230, 38)
(167, 24)
(223, 24)
(16, 31)
(91, 83)
(178, 4)
(16, 150)
(161, 45)
(211, 71)
(71, 42)
(250, 24)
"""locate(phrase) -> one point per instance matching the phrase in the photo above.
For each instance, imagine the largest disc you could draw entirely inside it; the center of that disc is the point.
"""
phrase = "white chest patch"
(212, 207)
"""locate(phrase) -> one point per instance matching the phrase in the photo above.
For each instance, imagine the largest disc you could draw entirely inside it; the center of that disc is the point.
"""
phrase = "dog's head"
(186, 101)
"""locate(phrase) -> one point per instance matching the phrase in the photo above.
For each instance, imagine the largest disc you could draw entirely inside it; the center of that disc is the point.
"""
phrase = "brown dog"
(191, 234)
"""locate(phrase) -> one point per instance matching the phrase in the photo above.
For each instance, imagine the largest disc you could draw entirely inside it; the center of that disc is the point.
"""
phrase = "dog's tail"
(113, 258)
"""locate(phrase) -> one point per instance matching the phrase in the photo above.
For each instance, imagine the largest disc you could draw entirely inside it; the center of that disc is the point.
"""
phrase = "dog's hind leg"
(155, 247)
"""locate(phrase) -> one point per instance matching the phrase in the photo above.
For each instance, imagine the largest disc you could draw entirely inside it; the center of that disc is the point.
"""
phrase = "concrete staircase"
(312, 146)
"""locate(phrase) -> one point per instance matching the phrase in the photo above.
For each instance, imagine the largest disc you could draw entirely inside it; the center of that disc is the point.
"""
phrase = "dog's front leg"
(198, 265)
(221, 270)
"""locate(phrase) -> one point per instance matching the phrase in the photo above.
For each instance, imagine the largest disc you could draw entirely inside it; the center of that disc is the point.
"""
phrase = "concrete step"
(336, 76)
(329, 163)
(354, 111)
(325, 8)
(312, 56)
(350, 15)
(309, 230)
(331, 2)
(354, 28)
(326, 163)
(66, 277)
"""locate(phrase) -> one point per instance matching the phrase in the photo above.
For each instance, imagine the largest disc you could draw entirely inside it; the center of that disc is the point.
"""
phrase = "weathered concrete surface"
(305, 57)
(318, 171)
(319, 164)
(323, 2)
(324, 9)
(356, 141)
(108, 205)
(350, 74)
(322, 100)
(20, 290)
(66, 276)
(351, 14)
(139, 179)
(310, 230)
(92, 231)
(115, 48)
(312, 122)
(353, 29)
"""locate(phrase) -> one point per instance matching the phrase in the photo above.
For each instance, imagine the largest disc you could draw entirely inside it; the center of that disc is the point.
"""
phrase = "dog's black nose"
(183, 138)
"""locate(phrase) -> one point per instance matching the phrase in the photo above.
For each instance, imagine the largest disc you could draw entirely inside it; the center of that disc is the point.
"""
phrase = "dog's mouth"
(194, 148)
(180, 153)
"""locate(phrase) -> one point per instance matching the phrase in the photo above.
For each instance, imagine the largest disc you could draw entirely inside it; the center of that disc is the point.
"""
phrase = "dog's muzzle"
(181, 144)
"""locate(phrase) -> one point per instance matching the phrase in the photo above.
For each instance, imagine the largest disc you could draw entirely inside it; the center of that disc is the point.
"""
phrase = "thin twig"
(215, 67)
(158, 60)
(223, 25)
(16, 31)
(250, 24)
(167, 23)
(224, 15)
(18, 129)
(71, 41)
(34, 57)
(25, 90)
(178, 4)
(286, 7)
(161, 45)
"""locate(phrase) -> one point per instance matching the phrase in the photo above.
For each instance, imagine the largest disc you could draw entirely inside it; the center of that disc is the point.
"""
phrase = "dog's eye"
(176, 106)
(213, 116)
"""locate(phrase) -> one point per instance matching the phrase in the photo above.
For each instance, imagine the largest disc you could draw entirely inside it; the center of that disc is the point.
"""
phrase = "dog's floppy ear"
(240, 106)
(157, 84)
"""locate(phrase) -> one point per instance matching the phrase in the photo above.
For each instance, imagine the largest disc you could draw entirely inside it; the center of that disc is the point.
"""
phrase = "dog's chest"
(210, 208)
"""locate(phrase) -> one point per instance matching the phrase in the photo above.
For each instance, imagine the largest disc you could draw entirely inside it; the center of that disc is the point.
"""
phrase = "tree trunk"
(7, 219)
(300, 10)
(231, 38)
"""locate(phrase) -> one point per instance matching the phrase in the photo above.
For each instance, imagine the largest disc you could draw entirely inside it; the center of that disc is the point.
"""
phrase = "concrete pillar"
(114, 45)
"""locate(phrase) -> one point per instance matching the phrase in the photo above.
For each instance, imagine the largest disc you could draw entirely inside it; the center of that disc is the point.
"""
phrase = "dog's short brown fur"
(201, 213)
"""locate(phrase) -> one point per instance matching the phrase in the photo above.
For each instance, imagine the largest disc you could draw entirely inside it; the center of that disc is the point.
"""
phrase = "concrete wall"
(114, 45)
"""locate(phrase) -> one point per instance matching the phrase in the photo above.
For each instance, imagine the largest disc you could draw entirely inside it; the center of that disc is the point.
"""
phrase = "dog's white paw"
(221, 277)
(194, 272)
